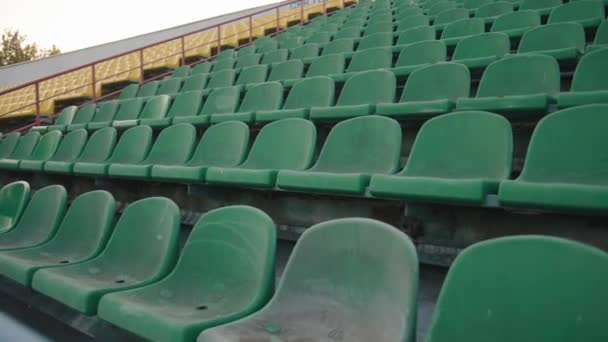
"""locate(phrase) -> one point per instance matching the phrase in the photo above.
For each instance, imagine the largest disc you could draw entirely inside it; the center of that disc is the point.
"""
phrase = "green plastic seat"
(404, 12)
(8, 144)
(520, 269)
(414, 35)
(353, 151)
(98, 148)
(450, 16)
(521, 84)
(317, 92)
(430, 91)
(601, 37)
(44, 150)
(379, 27)
(195, 83)
(69, 148)
(128, 111)
(448, 164)
(252, 74)
(265, 44)
(246, 50)
(345, 45)
(370, 59)
(563, 41)
(105, 114)
(434, 10)
(347, 33)
(247, 61)
(310, 50)
(155, 108)
(39, 220)
(590, 82)
(202, 68)
(412, 21)
(326, 65)
(64, 118)
(223, 145)
(221, 100)
(561, 168)
(83, 116)
(220, 79)
(281, 145)
(417, 55)
(82, 234)
(184, 104)
(291, 70)
(129, 92)
(276, 56)
(224, 64)
(458, 30)
(261, 96)
(13, 200)
(319, 38)
(517, 23)
(148, 228)
(225, 272)
(173, 146)
(360, 95)
(351, 279)
(225, 54)
(148, 89)
(474, 4)
(489, 12)
(479, 51)
(22, 150)
(542, 7)
(132, 147)
(181, 72)
(382, 39)
(291, 43)
(169, 86)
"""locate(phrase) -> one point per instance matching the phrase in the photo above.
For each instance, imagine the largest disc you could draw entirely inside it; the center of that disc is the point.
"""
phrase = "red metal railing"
(217, 43)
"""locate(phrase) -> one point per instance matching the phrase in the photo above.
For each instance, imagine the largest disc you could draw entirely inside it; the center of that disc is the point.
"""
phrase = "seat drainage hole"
(63, 261)
(201, 307)
(119, 281)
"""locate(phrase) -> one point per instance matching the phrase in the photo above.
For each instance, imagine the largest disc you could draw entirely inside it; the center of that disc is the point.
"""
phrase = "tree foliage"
(14, 48)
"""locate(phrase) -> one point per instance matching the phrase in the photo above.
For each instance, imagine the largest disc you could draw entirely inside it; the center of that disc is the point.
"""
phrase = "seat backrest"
(520, 75)
(130, 109)
(553, 36)
(8, 144)
(25, 146)
(71, 146)
(429, 51)
(370, 87)
(438, 81)
(170, 86)
(310, 50)
(225, 54)
(173, 146)
(377, 58)
(224, 144)
(156, 107)
(137, 232)
(202, 68)
(379, 27)
(326, 65)
(85, 114)
(319, 38)
(224, 78)
(539, 4)
(339, 46)
(148, 89)
(195, 82)
(369, 145)
(276, 56)
(518, 269)
(416, 34)
(287, 70)
(286, 144)
(13, 200)
(186, 104)
(246, 50)
(66, 116)
(247, 60)
(291, 43)
(569, 146)
(517, 20)
(262, 96)
(382, 39)
(591, 72)
(99, 147)
(601, 35)
(39, 219)
(451, 15)
(483, 45)
(46, 147)
(129, 92)
(494, 9)
(252, 74)
(440, 7)
(221, 100)
(463, 28)
(133, 145)
(105, 111)
(473, 4)
(265, 44)
(413, 21)
(182, 71)
(224, 64)
(311, 92)
(348, 33)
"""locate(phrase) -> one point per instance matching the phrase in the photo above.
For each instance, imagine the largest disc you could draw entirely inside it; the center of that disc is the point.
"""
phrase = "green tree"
(14, 48)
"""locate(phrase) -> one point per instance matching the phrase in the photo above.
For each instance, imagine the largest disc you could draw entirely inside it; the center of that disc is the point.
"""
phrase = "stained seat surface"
(13, 200)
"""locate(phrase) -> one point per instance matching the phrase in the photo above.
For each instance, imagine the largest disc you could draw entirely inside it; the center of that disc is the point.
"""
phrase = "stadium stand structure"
(352, 158)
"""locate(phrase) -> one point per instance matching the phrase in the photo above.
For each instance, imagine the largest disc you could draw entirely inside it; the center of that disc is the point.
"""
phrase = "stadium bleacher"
(387, 138)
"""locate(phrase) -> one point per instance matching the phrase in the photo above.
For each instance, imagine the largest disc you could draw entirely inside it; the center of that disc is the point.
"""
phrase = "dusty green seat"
(46, 147)
(246, 50)
(25, 146)
(252, 74)
(128, 110)
(98, 148)
(430, 91)
(39, 220)
(221, 100)
(173, 146)
(370, 59)
(590, 82)
(132, 147)
(223, 145)
(202, 68)
(265, 44)
(474, 4)
(184, 104)
(382, 39)
(412, 21)
(182, 71)
(225, 54)
(319, 38)
(330, 293)
(69, 148)
(347, 33)
(83, 116)
(489, 12)
(310, 50)
(561, 168)
(64, 118)
(345, 45)
(276, 56)
(477, 52)
(529, 272)
(360, 95)
(434, 10)
(281, 145)
(169, 86)
(417, 55)
(261, 96)
(72, 242)
(311, 92)
(105, 114)
(519, 84)
(450, 16)
(225, 272)
(68, 116)
(379, 27)
(563, 41)
(195, 83)
(542, 7)
(221, 79)
(148, 89)
(601, 37)
(148, 228)
(129, 92)
(326, 65)
(587, 13)
(414, 35)
(458, 30)
(8, 144)
(155, 108)
(517, 23)
(449, 164)
(291, 43)
(13, 200)
(247, 61)
(290, 70)
(224, 64)
(353, 151)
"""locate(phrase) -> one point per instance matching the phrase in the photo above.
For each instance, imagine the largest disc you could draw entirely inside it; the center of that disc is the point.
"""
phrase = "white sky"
(76, 24)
